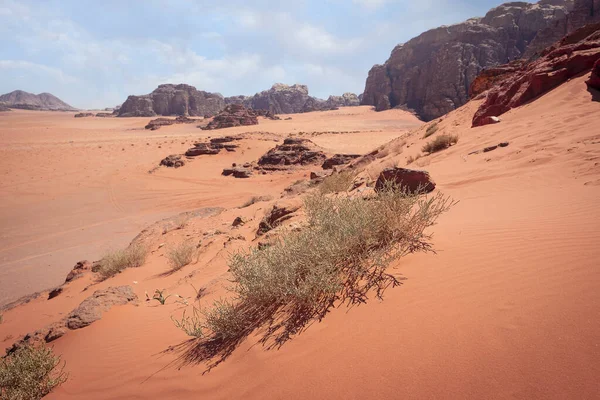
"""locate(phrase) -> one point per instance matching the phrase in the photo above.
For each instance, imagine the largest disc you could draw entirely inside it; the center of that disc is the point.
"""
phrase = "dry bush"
(440, 143)
(336, 182)
(341, 255)
(431, 129)
(256, 199)
(412, 159)
(30, 373)
(116, 261)
(182, 255)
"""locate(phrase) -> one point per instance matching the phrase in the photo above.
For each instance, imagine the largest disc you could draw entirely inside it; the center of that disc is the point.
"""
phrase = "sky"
(93, 54)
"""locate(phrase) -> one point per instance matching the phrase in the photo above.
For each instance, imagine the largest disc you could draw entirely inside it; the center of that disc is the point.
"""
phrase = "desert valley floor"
(507, 308)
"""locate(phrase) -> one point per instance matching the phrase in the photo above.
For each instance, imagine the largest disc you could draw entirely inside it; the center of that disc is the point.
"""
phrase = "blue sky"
(92, 54)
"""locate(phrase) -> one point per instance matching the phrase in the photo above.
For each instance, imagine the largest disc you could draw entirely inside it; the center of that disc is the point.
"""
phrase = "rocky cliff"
(432, 72)
(171, 99)
(30, 101)
(285, 99)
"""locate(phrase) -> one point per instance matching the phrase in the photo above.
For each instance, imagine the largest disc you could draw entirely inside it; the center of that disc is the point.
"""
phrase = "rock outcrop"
(158, 122)
(173, 161)
(345, 100)
(91, 309)
(78, 270)
(232, 115)
(576, 53)
(338, 159)
(279, 213)
(409, 180)
(214, 146)
(84, 115)
(594, 81)
(431, 73)
(29, 101)
(171, 99)
(293, 151)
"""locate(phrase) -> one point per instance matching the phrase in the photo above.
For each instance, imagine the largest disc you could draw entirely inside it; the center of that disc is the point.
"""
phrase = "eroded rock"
(293, 151)
(91, 309)
(338, 159)
(409, 180)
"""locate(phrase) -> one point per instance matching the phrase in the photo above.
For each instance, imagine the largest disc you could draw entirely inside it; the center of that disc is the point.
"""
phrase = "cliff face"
(173, 100)
(30, 101)
(432, 72)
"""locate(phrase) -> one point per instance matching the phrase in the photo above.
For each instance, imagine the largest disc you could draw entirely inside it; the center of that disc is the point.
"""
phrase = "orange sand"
(508, 308)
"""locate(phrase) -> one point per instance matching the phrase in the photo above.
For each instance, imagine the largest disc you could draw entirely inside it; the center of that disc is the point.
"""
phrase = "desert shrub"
(115, 261)
(431, 129)
(342, 255)
(440, 143)
(412, 159)
(336, 182)
(182, 255)
(256, 199)
(30, 373)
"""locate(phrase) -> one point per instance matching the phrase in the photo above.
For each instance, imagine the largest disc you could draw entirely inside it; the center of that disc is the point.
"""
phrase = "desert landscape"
(426, 241)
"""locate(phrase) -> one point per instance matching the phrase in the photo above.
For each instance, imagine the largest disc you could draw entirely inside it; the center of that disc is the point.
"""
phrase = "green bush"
(115, 261)
(342, 255)
(30, 373)
(440, 143)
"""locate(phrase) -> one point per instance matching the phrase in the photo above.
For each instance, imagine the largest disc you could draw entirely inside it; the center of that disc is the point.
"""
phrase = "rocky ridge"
(29, 101)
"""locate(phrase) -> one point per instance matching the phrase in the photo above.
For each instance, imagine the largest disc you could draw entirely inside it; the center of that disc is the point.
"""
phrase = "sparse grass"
(182, 255)
(342, 255)
(30, 373)
(412, 159)
(431, 129)
(116, 261)
(440, 143)
(336, 182)
(1, 318)
(256, 199)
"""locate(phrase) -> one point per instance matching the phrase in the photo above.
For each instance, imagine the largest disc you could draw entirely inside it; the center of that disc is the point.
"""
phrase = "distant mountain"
(30, 101)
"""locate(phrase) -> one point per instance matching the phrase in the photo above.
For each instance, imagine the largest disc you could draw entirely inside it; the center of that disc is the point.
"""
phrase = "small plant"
(114, 262)
(1, 318)
(256, 199)
(30, 373)
(431, 129)
(412, 159)
(192, 325)
(336, 182)
(440, 143)
(159, 295)
(182, 255)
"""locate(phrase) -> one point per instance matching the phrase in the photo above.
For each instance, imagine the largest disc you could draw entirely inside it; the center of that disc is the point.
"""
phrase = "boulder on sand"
(594, 81)
(409, 180)
(293, 151)
(91, 309)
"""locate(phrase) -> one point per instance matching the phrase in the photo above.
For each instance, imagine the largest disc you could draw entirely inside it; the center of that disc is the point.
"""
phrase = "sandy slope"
(508, 308)
(72, 188)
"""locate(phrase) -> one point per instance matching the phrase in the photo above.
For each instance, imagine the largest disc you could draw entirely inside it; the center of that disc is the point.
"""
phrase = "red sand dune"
(508, 308)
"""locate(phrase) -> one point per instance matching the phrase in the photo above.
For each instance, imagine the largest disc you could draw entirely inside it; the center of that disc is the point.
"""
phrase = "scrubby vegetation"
(182, 255)
(336, 182)
(440, 143)
(256, 199)
(342, 255)
(30, 373)
(116, 261)
(412, 159)
(431, 129)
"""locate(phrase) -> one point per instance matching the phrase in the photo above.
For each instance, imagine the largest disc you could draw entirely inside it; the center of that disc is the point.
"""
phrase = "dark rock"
(293, 151)
(557, 64)
(237, 172)
(431, 73)
(232, 115)
(158, 122)
(345, 100)
(78, 270)
(83, 115)
(173, 161)
(594, 81)
(406, 179)
(171, 99)
(238, 221)
(104, 115)
(203, 148)
(339, 159)
(278, 214)
(55, 332)
(29, 101)
(55, 292)
(91, 309)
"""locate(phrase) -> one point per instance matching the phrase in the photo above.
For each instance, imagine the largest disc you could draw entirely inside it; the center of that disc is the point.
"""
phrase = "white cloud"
(37, 69)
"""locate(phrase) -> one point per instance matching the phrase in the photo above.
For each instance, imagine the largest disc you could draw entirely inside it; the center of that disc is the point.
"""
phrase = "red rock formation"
(232, 115)
(594, 81)
(158, 122)
(575, 54)
(293, 151)
(407, 179)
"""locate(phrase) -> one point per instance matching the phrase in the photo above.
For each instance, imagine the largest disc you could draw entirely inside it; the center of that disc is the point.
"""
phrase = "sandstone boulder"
(232, 115)
(594, 81)
(84, 115)
(158, 122)
(237, 172)
(91, 309)
(173, 161)
(279, 213)
(78, 270)
(405, 179)
(293, 151)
